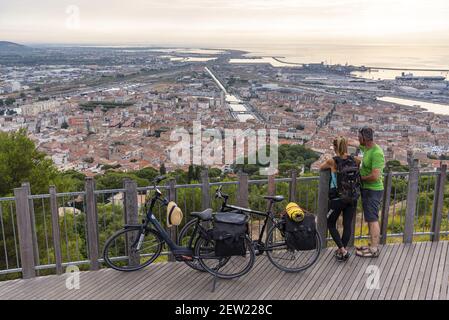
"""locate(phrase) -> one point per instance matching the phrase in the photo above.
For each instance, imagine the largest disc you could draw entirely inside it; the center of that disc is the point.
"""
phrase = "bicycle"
(138, 245)
(274, 245)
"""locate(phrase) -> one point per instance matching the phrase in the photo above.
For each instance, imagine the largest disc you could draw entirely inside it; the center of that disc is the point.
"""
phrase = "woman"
(336, 203)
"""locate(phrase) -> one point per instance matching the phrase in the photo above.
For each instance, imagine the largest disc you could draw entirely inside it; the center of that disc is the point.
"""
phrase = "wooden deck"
(414, 271)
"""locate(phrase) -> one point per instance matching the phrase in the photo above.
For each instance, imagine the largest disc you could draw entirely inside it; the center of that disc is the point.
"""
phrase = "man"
(371, 172)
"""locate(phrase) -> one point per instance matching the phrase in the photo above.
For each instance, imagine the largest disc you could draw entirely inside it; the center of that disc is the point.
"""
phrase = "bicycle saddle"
(205, 215)
(274, 198)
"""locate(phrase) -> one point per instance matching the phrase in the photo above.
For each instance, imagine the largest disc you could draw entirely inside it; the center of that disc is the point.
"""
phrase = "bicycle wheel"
(185, 239)
(224, 267)
(121, 251)
(289, 260)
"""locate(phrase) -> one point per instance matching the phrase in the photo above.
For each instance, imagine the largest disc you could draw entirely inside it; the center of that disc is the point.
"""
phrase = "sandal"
(368, 253)
(343, 258)
(363, 248)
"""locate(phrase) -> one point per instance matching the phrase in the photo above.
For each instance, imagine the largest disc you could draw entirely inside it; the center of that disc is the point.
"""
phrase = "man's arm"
(374, 176)
(377, 165)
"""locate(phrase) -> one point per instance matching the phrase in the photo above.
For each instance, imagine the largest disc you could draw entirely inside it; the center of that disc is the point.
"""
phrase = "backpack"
(300, 236)
(348, 179)
(229, 233)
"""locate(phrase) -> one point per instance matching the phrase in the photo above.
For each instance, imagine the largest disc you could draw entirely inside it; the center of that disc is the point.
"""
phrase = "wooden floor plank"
(416, 271)
(396, 265)
(355, 279)
(427, 292)
(383, 263)
(292, 281)
(442, 279)
(408, 263)
(419, 268)
(360, 288)
(407, 283)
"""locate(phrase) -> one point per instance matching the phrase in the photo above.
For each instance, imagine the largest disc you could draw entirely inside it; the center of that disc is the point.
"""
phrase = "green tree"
(64, 125)
(1, 102)
(162, 169)
(20, 162)
(147, 173)
(190, 173)
(10, 101)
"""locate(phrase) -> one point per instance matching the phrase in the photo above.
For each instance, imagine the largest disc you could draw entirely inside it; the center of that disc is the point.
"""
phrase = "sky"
(224, 22)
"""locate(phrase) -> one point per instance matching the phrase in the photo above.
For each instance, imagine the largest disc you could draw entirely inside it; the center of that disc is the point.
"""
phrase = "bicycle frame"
(268, 215)
(151, 219)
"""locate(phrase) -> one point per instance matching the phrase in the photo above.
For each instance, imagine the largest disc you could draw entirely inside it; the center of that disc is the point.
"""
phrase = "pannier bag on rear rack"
(300, 234)
(229, 233)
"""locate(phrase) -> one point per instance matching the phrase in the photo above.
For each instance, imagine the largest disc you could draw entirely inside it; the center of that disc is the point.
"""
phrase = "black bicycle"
(274, 245)
(137, 246)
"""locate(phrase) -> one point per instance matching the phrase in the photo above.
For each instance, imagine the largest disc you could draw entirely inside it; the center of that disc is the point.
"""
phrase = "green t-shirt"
(373, 158)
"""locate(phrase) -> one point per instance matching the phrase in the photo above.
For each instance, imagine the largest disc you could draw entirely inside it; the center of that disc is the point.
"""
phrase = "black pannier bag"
(229, 233)
(300, 235)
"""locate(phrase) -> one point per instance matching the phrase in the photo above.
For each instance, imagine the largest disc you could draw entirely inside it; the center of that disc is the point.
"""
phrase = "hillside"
(6, 46)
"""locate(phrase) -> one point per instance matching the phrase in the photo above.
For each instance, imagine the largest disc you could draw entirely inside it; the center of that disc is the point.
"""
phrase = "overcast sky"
(224, 22)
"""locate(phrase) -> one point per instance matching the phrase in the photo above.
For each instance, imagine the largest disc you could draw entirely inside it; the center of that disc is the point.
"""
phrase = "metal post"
(323, 205)
(242, 194)
(131, 216)
(386, 207)
(92, 223)
(438, 203)
(55, 229)
(27, 187)
(172, 231)
(292, 186)
(205, 190)
(25, 233)
(412, 194)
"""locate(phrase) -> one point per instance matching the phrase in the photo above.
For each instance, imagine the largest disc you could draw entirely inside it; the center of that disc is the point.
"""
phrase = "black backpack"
(229, 233)
(300, 235)
(348, 179)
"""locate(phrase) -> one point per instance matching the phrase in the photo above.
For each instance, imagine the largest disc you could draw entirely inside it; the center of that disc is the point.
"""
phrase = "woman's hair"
(341, 146)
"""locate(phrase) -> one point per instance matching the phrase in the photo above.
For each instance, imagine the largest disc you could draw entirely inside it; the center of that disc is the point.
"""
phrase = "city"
(115, 108)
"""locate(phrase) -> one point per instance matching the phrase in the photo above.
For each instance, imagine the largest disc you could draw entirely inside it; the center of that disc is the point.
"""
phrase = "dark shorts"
(371, 201)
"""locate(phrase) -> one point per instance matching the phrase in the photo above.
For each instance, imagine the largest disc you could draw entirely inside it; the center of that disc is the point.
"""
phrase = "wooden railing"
(24, 209)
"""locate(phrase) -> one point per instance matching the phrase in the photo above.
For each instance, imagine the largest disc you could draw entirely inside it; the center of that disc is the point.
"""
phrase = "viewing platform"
(41, 235)
(406, 271)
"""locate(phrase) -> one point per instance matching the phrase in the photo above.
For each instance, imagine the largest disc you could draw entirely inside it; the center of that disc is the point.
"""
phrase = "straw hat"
(174, 214)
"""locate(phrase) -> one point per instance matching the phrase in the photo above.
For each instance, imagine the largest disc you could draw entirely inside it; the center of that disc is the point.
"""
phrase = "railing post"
(92, 223)
(131, 215)
(205, 189)
(55, 229)
(172, 231)
(412, 194)
(323, 205)
(25, 233)
(438, 203)
(242, 194)
(27, 187)
(271, 190)
(292, 186)
(386, 207)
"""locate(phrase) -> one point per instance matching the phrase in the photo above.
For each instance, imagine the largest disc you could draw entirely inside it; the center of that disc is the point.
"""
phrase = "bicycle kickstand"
(214, 283)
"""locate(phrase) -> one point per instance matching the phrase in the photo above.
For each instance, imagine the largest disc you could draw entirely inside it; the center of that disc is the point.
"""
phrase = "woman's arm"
(328, 164)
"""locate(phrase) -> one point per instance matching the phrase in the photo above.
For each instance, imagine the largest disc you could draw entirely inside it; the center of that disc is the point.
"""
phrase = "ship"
(410, 77)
